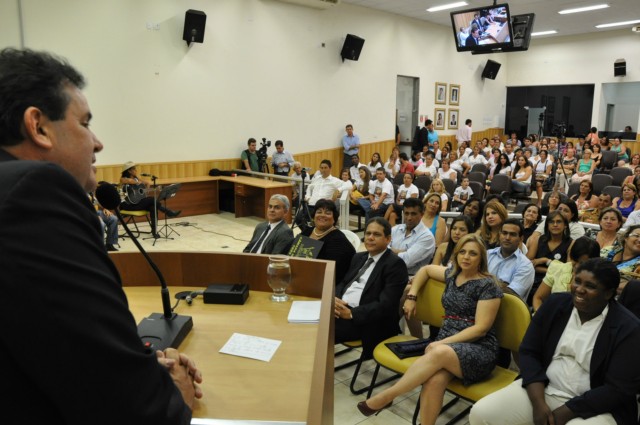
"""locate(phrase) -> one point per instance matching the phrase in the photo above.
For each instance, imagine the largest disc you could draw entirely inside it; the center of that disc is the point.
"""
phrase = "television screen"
(480, 29)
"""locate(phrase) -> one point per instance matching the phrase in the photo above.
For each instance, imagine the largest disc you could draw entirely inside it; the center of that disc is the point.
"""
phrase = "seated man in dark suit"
(367, 298)
(272, 236)
(474, 38)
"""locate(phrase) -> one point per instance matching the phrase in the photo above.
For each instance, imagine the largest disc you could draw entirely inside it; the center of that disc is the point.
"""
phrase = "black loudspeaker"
(194, 21)
(352, 47)
(522, 26)
(620, 68)
(491, 69)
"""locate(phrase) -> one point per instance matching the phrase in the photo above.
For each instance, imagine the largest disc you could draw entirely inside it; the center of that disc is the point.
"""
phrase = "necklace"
(320, 235)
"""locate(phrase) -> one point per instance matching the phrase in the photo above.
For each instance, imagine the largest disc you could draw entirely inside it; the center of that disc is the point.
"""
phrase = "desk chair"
(130, 217)
(600, 181)
(350, 346)
(618, 174)
(353, 238)
(428, 310)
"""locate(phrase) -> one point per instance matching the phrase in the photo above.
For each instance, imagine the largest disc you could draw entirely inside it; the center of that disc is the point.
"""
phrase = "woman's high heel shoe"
(367, 411)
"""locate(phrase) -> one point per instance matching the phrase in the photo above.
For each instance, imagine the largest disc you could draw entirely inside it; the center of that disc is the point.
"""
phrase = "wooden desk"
(201, 195)
(297, 385)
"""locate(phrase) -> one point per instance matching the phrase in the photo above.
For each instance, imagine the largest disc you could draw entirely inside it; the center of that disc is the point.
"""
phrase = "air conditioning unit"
(316, 4)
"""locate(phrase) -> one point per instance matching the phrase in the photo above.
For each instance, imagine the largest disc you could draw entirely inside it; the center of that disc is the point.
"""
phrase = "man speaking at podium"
(68, 341)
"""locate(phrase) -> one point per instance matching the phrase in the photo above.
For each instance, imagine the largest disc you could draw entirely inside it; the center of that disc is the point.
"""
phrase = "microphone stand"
(154, 235)
(302, 213)
(160, 330)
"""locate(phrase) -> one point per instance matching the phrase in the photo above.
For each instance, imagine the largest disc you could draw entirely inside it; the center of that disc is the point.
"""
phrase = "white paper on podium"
(305, 312)
(253, 347)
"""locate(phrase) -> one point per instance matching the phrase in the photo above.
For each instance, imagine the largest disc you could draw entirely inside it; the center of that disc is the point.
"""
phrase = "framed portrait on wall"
(441, 93)
(452, 119)
(454, 94)
(438, 118)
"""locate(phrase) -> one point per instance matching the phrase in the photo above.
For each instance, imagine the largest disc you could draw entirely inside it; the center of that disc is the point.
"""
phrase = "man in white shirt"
(380, 196)
(508, 150)
(272, 236)
(427, 168)
(354, 170)
(411, 240)
(464, 133)
(324, 186)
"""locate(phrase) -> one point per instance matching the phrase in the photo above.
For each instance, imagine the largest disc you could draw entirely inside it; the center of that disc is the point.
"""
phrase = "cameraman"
(281, 161)
(249, 157)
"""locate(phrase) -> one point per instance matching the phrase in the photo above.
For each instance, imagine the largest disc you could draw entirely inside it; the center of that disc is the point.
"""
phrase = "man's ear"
(36, 126)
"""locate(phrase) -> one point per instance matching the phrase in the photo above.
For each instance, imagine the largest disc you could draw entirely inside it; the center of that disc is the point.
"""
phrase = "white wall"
(583, 59)
(261, 72)
(626, 98)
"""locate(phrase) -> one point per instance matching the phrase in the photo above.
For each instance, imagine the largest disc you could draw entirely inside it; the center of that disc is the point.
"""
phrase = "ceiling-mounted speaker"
(491, 69)
(352, 47)
(194, 22)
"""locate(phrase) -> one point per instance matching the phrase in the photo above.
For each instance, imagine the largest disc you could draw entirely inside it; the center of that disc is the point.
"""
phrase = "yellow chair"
(429, 310)
(130, 217)
(351, 345)
(511, 324)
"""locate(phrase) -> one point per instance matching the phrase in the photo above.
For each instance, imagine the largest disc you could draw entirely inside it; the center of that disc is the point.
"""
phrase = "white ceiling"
(546, 11)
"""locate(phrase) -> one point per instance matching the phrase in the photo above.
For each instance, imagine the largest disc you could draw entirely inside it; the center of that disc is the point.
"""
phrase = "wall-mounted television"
(482, 29)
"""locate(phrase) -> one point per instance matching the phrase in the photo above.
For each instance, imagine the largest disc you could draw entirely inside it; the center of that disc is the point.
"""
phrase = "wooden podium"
(297, 384)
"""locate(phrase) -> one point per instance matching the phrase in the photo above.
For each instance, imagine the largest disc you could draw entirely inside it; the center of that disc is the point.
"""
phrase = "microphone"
(148, 175)
(160, 330)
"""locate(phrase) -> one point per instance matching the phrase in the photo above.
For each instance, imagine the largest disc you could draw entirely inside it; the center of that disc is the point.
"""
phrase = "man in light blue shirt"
(432, 135)
(506, 262)
(411, 240)
(351, 145)
(281, 160)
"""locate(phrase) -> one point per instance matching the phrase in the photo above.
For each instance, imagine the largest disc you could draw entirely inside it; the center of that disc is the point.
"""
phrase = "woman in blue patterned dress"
(466, 346)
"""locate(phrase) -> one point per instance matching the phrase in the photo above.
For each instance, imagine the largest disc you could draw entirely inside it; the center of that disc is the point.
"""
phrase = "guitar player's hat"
(128, 165)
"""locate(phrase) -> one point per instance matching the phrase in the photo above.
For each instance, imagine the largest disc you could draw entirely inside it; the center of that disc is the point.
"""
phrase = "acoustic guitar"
(134, 193)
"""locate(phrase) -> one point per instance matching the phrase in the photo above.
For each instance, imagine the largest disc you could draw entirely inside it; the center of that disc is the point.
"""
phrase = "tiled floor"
(224, 232)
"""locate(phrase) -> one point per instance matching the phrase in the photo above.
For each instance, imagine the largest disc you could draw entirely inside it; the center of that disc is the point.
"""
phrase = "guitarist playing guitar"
(136, 196)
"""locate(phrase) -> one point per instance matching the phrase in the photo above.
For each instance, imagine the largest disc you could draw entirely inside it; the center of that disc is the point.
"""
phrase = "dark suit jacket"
(471, 41)
(377, 315)
(630, 297)
(72, 347)
(615, 369)
(277, 242)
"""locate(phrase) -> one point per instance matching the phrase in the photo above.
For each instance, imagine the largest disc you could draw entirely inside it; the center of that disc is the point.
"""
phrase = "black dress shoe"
(172, 214)
(367, 411)
(111, 248)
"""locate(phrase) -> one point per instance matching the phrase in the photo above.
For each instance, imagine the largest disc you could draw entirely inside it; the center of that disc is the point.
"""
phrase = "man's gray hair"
(282, 199)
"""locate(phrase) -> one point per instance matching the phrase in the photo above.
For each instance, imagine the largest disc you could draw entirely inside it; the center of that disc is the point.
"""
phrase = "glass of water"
(279, 277)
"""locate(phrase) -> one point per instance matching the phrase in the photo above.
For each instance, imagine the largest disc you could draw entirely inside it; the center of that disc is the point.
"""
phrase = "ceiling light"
(584, 9)
(447, 6)
(618, 24)
(534, 34)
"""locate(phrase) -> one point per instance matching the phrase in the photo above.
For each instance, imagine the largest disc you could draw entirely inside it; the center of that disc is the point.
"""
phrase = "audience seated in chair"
(274, 235)
(595, 381)
(366, 303)
(466, 345)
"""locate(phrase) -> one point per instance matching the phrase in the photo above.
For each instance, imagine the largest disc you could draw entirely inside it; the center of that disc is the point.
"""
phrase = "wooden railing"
(197, 168)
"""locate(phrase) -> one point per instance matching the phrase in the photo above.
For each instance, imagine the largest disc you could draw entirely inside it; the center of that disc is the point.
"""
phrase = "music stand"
(166, 193)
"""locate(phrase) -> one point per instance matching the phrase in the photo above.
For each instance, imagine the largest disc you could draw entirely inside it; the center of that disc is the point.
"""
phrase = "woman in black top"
(336, 246)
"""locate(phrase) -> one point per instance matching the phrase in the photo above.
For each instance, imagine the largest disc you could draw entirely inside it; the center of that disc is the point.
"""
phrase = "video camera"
(559, 130)
(262, 152)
